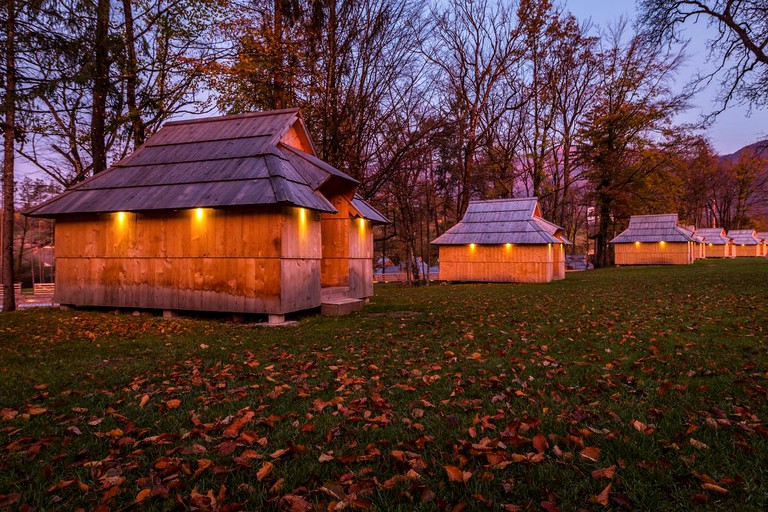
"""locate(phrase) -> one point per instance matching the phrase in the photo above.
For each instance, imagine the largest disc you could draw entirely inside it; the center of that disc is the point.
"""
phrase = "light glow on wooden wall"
(199, 213)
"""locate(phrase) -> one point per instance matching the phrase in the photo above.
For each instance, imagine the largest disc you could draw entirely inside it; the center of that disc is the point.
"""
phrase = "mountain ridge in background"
(760, 148)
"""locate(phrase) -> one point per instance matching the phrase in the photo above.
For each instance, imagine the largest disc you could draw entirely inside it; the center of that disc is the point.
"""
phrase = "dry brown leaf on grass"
(605, 472)
(540, 443)
(265, 470)
(603, 497)
(590, 453)
(714, 488)
(293, 503)
(142, 495)
(455, 474)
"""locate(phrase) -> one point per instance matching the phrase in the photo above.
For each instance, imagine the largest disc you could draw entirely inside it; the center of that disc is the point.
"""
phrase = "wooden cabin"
(717, 244)
(745, 243)
(763, 236)
(233, 214)
(503, 240)
(699, 248)
(654, 240)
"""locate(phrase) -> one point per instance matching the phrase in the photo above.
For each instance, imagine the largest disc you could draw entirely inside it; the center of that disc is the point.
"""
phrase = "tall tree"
(155, 56)
(739, 43)
(101, 67)
(9, 150)
(475, 47)
(631, 115)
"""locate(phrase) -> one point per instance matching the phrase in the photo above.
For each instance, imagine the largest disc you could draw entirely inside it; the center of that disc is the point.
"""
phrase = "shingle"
(502, 221)
(744, 236)
(214, 162)
(653, 228)
(714, 236)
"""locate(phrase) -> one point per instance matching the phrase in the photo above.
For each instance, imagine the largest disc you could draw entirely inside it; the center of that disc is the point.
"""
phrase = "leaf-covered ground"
(625, 389)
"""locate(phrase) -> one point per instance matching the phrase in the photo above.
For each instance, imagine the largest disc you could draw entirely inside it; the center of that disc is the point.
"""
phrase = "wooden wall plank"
(498, 263)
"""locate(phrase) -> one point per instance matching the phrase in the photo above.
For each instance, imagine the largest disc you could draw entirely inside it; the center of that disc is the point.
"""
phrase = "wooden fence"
(400, 277)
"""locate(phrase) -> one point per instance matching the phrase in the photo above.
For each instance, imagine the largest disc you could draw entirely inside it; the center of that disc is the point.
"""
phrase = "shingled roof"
(653, 228)
(237, 160)
(744, 236)
(714, 236)
(503, 221)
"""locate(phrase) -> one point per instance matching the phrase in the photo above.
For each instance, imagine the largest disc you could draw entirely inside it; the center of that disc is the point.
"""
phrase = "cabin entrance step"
(340, 306)
(334, 292)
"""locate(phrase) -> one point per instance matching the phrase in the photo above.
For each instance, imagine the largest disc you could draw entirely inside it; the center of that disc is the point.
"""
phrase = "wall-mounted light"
(121, 217)
(472, 246)
(199, 213)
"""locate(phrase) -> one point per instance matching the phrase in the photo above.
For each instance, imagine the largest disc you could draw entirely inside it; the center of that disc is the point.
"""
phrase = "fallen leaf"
(540, 443)
(7, 500)
(142, 495)
(173, 403)
(605, 472)
(714, 488)
(698, 444)
(265, 470)
(144, 400)
(602, 498)
(590, 453)
(293, 503)
(455, 474)
(35, 411)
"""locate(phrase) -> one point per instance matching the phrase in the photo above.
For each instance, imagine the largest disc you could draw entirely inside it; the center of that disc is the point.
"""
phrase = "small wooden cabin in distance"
(699, 248)
(654, 240)
(503, 240)
(746, 243)
(717, 244)
(233, 214)
(763, 237)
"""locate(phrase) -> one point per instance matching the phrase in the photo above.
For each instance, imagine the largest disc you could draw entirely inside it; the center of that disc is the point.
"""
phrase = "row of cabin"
(232, 213)
(660, 240)
(237, 214)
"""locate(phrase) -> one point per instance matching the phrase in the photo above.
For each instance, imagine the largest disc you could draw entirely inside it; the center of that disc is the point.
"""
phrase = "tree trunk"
(601, 239)
(131, 81)
(100, 87)
(9, 136)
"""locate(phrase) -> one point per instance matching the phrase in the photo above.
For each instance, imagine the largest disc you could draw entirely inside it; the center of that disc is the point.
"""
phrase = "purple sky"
(733, 129)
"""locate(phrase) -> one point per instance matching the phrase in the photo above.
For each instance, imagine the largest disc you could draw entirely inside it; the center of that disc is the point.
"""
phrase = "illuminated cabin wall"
(263, 260)
(655, 253)
(347, 250)
(745, 251)
(502, 263)
(719, 251)
(360, 258)
(336, 244)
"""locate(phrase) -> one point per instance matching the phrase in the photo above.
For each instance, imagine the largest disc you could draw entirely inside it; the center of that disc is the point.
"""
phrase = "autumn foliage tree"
(630, 116)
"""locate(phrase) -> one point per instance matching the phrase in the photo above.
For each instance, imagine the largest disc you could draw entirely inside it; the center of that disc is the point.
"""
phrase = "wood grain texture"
(262, 260)
(502, 263)
(655, 253)
(746, 251)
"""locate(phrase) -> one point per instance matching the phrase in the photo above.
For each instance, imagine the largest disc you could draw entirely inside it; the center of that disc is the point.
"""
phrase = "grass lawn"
(629, 388)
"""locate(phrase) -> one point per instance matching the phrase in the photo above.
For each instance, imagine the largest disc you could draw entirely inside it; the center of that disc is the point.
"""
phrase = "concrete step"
(340, 306)
(334, 292)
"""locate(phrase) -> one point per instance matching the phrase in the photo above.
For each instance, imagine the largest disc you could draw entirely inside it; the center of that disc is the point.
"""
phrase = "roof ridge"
(499, 200)
(227, 117)
(184, 143)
